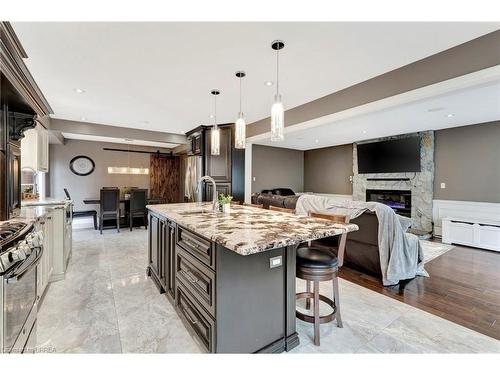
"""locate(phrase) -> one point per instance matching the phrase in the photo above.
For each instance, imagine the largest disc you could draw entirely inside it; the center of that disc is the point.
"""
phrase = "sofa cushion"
(283, 191)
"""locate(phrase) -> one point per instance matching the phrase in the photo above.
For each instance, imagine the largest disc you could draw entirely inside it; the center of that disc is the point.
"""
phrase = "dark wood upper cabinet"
(219, 166)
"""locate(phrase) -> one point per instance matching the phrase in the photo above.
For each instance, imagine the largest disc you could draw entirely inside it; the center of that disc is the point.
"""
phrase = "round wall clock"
(82, 165)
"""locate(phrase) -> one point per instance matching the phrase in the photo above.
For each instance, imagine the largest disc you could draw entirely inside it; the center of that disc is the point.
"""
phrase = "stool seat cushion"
(317, 258)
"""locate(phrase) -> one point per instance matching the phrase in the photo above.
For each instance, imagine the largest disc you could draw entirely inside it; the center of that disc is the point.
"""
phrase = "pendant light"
(215, 133)
(277, 110)
(127, 169)
(240, 125)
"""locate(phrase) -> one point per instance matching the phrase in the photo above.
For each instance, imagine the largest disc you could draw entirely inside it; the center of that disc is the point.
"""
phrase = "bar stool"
(316, 264)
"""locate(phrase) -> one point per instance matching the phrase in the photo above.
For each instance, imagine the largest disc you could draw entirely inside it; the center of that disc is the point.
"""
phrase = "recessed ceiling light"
(450, 115)
(83, 118)
(317, 141)
(269, 83)
(79, 91)
(212, 116)
(364, 131)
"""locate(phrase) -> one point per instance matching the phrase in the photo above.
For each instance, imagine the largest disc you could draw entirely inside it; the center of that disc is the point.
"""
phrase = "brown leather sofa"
(361, 249)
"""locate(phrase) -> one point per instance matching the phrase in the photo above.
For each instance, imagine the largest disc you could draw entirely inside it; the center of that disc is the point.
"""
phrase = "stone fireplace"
(413, 190)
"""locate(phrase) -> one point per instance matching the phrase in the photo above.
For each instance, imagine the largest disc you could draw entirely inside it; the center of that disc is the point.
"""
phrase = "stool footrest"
(309, 318)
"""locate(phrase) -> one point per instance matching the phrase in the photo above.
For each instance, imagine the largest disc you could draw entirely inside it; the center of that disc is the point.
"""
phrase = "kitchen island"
(231, 276)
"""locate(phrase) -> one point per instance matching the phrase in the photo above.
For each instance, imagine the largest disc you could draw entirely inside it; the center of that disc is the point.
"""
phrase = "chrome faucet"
(215, 201)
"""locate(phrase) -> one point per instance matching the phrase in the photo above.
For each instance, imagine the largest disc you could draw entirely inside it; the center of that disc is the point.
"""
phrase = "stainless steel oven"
(18, 268)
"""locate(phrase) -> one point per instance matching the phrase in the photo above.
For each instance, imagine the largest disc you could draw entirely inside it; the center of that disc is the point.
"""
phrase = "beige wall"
(274, 167)
(327, 170)
(467, 159)
(81, 187)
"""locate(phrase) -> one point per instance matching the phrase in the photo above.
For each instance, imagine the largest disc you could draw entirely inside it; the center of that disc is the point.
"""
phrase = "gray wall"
(81, 187)
(467, 159)
(275, 167)
(327, 170)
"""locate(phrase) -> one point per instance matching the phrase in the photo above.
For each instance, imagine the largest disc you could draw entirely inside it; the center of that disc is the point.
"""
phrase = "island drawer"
(200, 322)
(197, 246)
(197, 278)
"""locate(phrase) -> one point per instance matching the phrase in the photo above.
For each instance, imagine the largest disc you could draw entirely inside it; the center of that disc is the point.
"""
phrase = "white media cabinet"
(484, 234)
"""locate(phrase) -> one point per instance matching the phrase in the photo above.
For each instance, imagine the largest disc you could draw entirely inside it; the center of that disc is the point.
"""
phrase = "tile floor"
(106, 304)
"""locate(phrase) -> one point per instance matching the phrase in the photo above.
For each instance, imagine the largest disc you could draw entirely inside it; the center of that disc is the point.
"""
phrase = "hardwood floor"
(463, 287)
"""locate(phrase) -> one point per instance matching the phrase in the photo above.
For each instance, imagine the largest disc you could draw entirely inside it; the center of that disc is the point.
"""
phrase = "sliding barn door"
(165, 178)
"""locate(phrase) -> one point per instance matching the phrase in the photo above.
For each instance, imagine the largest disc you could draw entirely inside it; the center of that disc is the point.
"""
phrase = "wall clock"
(82, 165)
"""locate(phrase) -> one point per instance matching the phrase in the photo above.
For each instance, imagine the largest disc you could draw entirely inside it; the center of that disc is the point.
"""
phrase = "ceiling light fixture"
(450, 115)
(83, 118)
(277, 110)
(79, 91)
(269, 83)
(240, 125)
(215, 133)
(128, 169)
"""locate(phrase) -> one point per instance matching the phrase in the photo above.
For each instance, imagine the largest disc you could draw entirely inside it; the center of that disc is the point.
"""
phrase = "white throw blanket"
(401, 255)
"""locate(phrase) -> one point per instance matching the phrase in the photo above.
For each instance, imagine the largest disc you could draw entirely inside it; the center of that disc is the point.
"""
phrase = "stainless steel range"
(20, 252)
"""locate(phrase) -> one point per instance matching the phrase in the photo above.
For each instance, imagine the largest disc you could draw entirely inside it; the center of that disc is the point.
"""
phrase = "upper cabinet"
(219, 166)
(35, 149)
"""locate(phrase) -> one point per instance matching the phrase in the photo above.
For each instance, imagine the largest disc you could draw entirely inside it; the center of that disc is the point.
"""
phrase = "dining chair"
(138, 200)
(109, 207)
(282, 209)
(83, 213)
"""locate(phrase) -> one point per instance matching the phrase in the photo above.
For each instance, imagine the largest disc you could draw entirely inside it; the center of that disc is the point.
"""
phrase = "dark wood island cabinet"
(231, 277)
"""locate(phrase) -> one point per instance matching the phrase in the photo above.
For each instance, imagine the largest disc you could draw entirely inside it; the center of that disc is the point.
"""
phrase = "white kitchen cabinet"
(61, 243)
(46, 266)
(35, 149)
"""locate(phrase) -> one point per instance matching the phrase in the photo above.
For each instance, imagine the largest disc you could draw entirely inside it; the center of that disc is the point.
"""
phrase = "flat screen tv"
(392, 156)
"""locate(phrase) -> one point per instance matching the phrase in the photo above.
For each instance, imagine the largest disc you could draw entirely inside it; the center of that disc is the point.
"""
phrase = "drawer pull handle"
(192, 244)
(188, 315)
(190, 277)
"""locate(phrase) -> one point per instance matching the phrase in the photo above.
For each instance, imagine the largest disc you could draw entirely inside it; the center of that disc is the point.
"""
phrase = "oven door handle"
(15, 277)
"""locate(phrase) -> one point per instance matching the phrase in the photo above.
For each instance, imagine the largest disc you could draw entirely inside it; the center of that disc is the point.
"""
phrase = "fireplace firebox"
(398, 200)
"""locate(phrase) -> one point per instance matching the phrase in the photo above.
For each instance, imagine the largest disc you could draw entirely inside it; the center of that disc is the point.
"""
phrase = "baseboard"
(463, 209)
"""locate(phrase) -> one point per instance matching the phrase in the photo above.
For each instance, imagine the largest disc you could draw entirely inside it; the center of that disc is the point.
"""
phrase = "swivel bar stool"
(316, 264)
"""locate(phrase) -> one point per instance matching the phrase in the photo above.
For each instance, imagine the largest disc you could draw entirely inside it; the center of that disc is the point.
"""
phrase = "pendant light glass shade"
(277, 110)
(215, 132)
(240, 125)
(277, 120)
(240, 132)
(215, 140)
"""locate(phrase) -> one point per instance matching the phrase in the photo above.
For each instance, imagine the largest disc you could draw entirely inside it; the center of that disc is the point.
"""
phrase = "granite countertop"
(249, 230)
(44, 202)
(29, 215)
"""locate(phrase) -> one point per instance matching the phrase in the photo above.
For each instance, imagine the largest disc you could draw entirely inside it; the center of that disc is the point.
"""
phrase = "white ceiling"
(158, 76)
(468, 106)
(96, 138)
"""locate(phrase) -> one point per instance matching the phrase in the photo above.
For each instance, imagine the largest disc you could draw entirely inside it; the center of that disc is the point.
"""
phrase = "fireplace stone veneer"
(420, 184)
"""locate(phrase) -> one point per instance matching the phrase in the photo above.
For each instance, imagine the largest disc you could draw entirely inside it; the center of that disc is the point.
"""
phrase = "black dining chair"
(110, 207)
(138, 199)
(86, 213)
